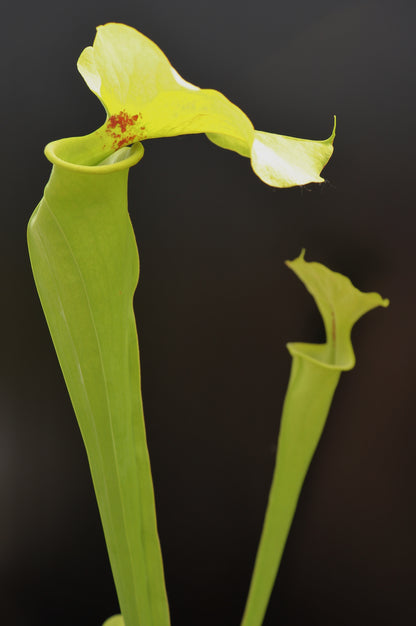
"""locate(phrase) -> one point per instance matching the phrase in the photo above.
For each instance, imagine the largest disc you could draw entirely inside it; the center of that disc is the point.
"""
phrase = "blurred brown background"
(215, 307)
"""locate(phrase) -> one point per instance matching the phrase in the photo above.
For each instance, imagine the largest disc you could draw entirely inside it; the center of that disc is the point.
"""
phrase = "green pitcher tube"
(315, 373)
(86, 267)
(307, 402)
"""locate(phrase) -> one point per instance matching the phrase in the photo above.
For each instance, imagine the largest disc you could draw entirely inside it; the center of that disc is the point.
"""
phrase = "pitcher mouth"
(82, 154)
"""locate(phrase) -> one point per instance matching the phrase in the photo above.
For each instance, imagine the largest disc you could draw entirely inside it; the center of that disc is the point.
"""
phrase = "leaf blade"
(85, 262)
(314, 376)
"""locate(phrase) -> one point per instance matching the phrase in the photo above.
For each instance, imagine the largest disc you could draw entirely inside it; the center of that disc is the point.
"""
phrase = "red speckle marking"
(123, 120)
(118, 124)
(126, 141)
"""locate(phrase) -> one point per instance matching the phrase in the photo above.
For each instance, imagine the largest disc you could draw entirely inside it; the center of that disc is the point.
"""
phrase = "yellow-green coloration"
(145, 98)
(86, 267)
(116, 620)
(316, 369)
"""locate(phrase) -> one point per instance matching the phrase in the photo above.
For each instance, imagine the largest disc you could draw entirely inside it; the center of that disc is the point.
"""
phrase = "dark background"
(215, 307)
